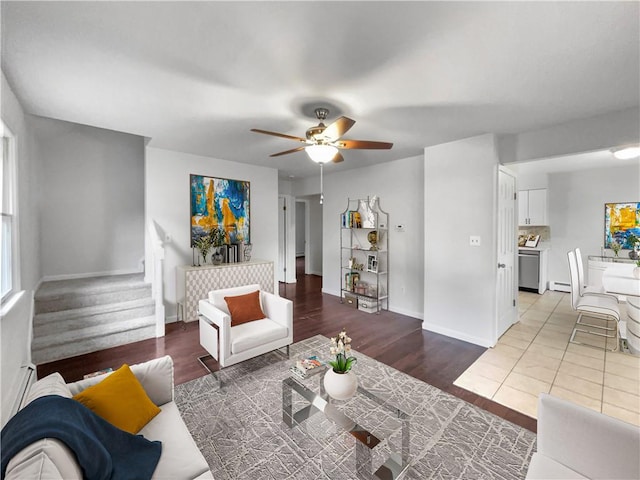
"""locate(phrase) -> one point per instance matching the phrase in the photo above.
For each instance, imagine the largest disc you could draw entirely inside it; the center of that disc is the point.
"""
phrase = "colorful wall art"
(620, 221)
(220, 202)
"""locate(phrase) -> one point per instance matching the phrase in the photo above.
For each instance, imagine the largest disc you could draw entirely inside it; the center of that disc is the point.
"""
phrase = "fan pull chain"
(321, 185)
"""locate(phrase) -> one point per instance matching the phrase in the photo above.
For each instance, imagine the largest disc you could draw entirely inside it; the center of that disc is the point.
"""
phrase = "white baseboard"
(331, 292)
(483, 342)
(408, 313)
(71, 276)
(560, 286)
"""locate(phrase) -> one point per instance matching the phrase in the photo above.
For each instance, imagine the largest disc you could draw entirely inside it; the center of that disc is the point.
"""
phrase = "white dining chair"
(592, 306)
(582, 284)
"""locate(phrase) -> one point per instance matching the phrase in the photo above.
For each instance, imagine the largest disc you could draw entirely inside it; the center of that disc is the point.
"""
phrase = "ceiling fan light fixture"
(626, 153)
(321, 153)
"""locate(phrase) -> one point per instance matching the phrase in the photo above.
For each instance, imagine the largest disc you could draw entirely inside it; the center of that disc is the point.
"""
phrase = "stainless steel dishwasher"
(528, 270)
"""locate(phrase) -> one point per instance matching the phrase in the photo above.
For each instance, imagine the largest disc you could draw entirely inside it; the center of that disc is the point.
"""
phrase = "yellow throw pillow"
(120, 400)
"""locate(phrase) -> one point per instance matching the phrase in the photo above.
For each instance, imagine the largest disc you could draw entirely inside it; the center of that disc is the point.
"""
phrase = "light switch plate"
(474, 240)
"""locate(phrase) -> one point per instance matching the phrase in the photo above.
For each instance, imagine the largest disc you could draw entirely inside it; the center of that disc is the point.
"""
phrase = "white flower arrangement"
(341, 348)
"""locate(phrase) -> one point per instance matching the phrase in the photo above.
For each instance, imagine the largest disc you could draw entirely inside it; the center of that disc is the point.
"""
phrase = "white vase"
(340, 386)
(636, 272)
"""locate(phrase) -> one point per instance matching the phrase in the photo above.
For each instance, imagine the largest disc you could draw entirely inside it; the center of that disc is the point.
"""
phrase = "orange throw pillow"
(244, 308)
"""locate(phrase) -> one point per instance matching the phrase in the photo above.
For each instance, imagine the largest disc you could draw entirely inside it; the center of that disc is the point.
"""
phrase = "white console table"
(194, 283)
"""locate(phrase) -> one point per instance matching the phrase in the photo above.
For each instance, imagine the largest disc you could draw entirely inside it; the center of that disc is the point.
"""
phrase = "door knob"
(501, 265)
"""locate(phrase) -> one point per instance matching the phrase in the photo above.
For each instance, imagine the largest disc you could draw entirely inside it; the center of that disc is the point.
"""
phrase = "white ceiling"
(196, 76)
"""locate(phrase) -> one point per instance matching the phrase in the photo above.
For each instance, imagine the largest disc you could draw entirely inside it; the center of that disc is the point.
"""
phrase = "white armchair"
(576, 442)
(230, 345)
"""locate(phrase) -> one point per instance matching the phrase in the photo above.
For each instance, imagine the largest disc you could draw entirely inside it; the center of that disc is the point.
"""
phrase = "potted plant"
(615, 246)
(203, 244)
(633, 242)
(217, 237)
(339, 381)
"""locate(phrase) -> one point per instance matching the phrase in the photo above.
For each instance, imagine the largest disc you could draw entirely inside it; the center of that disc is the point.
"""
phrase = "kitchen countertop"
(542, 247)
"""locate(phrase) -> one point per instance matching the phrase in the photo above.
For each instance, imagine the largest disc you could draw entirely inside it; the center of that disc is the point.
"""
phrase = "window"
(7, 234)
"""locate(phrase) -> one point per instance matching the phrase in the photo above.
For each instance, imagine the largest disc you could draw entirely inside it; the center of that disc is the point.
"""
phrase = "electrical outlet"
(474, 240)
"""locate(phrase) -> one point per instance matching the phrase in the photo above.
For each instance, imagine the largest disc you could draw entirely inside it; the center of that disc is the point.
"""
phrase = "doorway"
(301, 235)
(286, 239)
(289, 224)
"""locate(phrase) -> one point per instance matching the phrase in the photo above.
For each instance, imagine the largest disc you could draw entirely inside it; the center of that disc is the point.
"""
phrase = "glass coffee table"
(381, 431)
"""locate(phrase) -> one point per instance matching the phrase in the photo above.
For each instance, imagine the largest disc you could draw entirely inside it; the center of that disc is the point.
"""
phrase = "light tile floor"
(535, 356)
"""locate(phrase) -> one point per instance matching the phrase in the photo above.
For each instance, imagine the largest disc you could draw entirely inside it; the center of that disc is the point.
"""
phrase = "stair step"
(67, 344)
(62, 295)
(55, 322)
(83, 315)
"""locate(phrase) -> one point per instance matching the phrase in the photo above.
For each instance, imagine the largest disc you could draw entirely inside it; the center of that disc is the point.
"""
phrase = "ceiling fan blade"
(293, 150)
(276, 134)
(363, 144)
(338, 128)
(338, 158)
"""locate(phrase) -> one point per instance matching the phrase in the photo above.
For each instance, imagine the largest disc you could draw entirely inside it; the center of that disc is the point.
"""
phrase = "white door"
(506, 288)
(282, 240)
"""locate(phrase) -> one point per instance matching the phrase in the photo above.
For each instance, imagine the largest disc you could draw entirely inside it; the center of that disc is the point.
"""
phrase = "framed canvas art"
(620, 221)
(220, 203)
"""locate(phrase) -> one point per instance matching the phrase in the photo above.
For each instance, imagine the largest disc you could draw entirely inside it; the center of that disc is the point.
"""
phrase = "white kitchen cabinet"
(532, 207)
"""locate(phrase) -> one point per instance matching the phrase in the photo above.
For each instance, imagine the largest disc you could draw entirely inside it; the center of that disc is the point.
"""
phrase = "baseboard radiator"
(26, 378)
(560, 286)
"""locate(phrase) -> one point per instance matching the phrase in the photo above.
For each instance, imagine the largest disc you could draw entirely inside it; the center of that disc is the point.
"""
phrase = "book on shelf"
(306, 367)
(351, 219)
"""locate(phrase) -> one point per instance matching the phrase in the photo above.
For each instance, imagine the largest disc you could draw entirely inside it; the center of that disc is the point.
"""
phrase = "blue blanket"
(102, 450)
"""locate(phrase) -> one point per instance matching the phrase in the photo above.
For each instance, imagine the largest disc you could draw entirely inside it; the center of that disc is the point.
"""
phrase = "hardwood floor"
(394, 339)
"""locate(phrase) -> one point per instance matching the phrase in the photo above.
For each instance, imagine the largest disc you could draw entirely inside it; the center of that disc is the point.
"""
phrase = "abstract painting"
(621, 220)
(220, 203)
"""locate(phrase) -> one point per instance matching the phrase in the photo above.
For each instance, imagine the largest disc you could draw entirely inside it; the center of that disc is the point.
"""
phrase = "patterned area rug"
(240, 431)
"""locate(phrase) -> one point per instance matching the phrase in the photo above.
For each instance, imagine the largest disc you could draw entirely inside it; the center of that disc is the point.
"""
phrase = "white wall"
(399, 184)
(15, 318)
(459, 280)
(92, 209)
(576, 211)
(168, 203)
(28, 176)
(15, 332)
(583, 135)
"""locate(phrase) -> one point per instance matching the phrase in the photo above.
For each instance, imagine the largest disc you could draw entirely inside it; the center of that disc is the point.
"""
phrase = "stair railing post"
(159, 295)
(157, 256)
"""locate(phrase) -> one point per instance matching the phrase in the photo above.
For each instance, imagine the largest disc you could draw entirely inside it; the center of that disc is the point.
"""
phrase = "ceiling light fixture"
(626, 153)
(321, 153)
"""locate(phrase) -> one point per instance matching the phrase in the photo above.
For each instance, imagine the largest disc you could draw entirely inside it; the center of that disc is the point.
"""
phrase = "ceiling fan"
(322, 143)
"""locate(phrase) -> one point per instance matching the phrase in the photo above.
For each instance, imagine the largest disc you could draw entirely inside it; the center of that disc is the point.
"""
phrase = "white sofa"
(575, 442)
(180, 459)
(230, 345)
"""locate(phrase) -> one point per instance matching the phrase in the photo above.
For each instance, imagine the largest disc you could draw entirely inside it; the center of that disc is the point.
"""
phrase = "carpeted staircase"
(85, 315)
